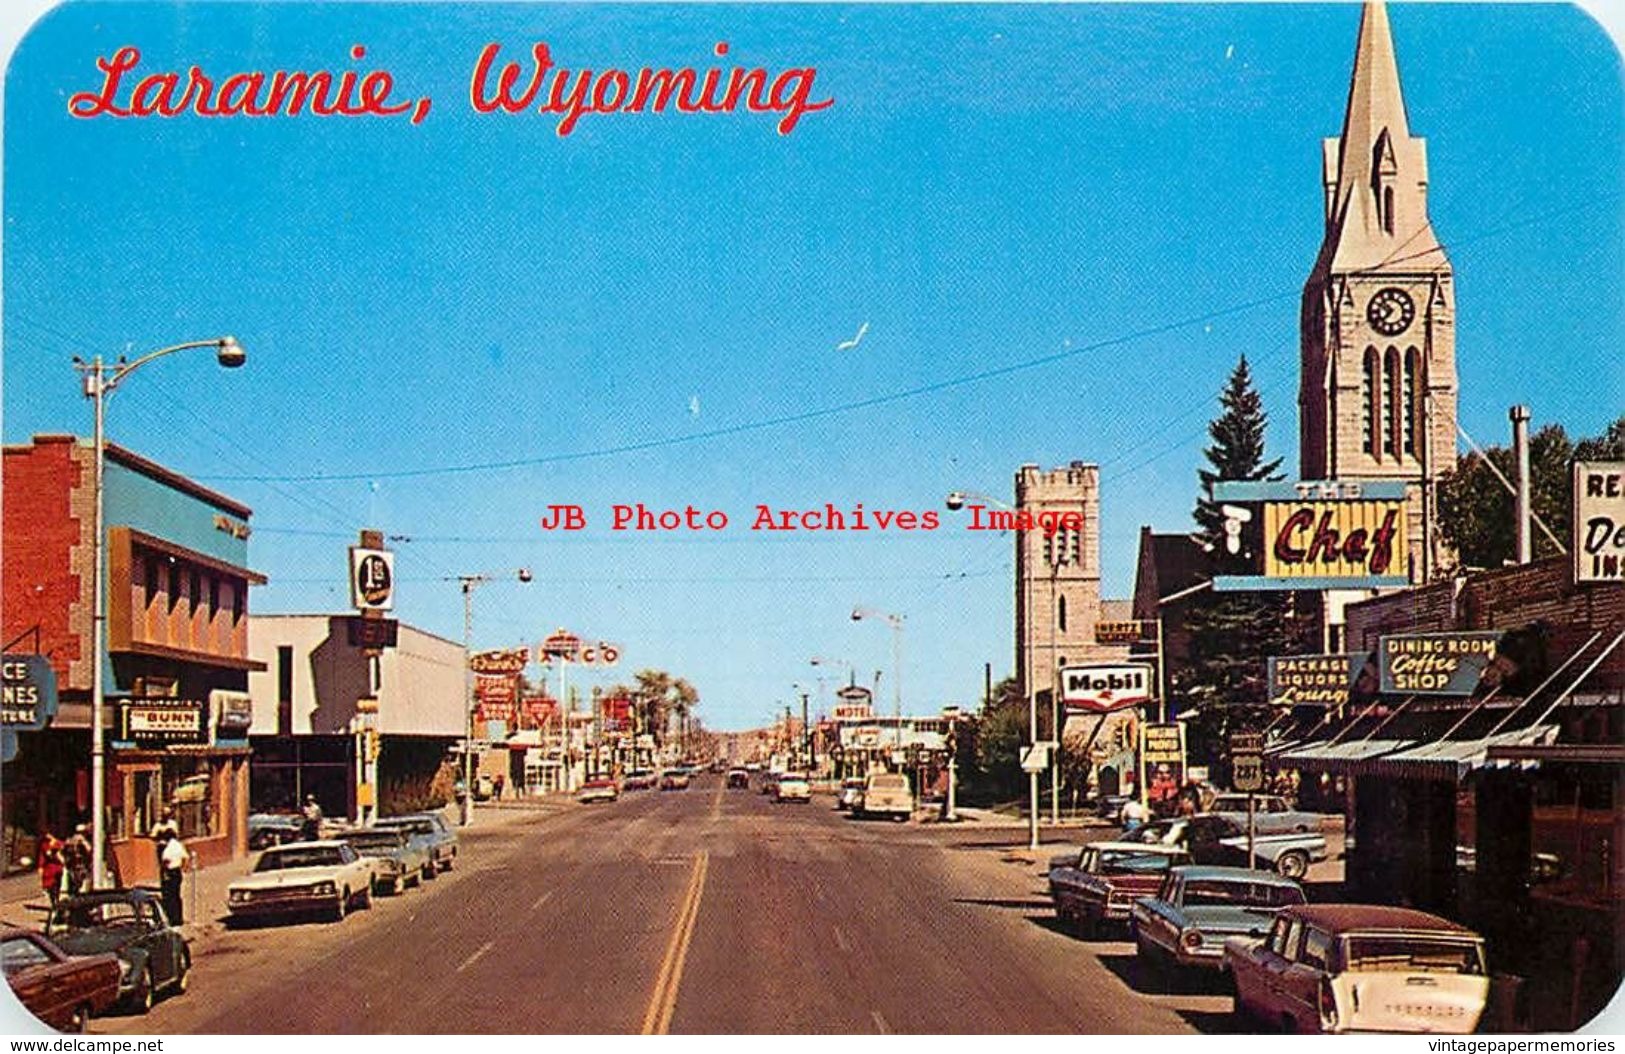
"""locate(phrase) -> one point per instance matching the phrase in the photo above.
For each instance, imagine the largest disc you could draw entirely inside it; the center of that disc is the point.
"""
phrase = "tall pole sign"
(372, 593)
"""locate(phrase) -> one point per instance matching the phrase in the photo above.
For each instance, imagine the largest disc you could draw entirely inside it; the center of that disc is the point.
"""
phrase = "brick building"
(177, 713)
(1501, 808)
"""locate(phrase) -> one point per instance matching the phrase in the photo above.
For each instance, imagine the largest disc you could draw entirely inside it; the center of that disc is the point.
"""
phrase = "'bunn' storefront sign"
(1313, 680)
(152, 722)
(1434, 663)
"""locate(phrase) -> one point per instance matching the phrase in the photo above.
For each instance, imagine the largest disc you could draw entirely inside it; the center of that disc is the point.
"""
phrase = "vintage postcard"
(738, 519)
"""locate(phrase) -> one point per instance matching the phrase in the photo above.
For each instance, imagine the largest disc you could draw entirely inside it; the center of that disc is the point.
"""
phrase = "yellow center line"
(663, 1002)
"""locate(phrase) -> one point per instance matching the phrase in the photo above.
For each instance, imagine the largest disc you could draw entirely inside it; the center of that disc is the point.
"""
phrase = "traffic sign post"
(1247, 774)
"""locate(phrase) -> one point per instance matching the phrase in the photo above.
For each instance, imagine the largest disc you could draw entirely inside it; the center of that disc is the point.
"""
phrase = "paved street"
(699, 911)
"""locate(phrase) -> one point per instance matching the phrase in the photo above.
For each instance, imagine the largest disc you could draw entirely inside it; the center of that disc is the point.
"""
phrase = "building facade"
(176, 715)
(320, 710)
(1058, 575)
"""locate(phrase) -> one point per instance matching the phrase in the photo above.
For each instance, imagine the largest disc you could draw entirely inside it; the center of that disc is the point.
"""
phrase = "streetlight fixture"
(101, 379)
(955, 502)
(896, 623)
(469, 583)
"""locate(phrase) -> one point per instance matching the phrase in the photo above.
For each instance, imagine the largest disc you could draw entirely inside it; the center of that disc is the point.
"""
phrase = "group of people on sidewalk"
(65, 866)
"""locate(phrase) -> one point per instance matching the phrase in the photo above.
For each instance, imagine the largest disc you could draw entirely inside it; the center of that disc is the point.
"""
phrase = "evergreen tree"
(1237, 448)
(1231, 633)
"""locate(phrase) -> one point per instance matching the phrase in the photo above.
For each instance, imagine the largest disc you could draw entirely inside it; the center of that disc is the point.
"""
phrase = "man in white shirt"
(172, 864)
(1135, 814)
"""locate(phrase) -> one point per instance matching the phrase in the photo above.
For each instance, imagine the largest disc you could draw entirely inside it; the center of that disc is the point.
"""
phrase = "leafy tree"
(1478, 514)
(990, 750)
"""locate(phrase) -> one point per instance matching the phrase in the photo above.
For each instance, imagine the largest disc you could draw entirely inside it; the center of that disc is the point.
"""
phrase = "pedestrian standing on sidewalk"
(497, 783)
(50, 865)
(76, 857)
(161, 832)
(173, 862)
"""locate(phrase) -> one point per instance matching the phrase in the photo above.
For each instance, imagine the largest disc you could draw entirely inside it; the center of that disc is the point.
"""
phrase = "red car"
(61, 990)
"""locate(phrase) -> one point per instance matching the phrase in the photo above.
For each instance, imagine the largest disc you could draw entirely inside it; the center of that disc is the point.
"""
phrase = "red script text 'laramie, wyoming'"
(511, 88)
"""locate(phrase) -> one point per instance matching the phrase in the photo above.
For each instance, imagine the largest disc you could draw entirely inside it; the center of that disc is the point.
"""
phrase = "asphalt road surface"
(699, 911)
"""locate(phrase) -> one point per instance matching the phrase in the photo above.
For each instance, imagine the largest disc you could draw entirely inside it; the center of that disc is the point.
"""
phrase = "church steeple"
(1375, 173)
(1377, 393)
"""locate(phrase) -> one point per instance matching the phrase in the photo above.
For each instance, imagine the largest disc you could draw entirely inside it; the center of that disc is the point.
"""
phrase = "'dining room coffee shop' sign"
(1434, 663)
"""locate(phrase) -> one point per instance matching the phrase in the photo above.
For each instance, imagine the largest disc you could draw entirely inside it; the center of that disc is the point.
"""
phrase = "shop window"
(189, 792)
(145, 807)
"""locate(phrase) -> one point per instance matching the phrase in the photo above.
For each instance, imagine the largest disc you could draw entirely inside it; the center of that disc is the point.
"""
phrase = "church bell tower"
(1377, 389)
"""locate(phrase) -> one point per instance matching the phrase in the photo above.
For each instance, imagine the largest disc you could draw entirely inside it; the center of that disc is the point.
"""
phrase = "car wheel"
(78, 1019)
(183, 973)
(342, 906)
(1294, 864)
(142, 997)
(1087, 925)
(900, 817)
(398, 886)
(363, 899)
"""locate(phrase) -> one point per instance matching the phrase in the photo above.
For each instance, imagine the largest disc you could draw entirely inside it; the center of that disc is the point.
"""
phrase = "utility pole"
(806, 735)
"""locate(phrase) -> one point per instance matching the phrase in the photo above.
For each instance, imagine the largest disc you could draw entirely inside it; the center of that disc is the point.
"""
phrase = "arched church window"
(1370, 392)
(1411, 399)
(1393, 408)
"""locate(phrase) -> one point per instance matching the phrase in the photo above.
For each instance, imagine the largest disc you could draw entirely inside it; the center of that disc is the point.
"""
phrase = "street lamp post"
(468, 583)
(896, 623)
(100, 381)
(956, 501)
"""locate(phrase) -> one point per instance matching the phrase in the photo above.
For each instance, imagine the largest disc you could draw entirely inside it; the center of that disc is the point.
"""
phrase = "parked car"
(432, 827)
(1272, 814)
(793, 786)
(1197, 908)
(639, 780)
(266, 829)
(674, 779)
(601, 789)
(1218, 840)
(1361, 968)
(62, 990)
(738, 779)
(401, 860)
(130, 923)
(851, 790)
(769, 782)
(1099, 883)
(885, 794)
(303, 877)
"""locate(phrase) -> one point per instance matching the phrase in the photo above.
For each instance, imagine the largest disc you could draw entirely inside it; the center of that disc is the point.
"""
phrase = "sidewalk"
(23, 903)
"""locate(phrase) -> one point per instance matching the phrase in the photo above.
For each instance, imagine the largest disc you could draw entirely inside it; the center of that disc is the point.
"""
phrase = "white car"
(304, 877)
(1360, 968)
(792, 787)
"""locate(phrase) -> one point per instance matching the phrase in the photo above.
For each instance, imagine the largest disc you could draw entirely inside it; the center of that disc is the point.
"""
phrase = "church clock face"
(1391, 311)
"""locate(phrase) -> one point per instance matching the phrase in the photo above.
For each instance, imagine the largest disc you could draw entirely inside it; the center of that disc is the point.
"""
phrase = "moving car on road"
(62, 990)
(1218, 840)
(639, 780)
(303, 877)
(600, 789)
(674, 779)
(851, 790)
(153, 956)
(738, 779)
(1198, 908)
(1361, 968)
(885, 794)
(1100, 882)
(793, 786)
(400, 859)
(435, 832)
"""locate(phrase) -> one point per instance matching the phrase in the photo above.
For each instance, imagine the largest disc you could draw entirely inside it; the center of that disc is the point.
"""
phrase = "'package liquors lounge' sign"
(1312, 680)
(1434, 663)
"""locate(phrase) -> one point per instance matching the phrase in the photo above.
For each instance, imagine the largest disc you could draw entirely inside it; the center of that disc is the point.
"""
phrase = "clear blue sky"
(993, 186)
